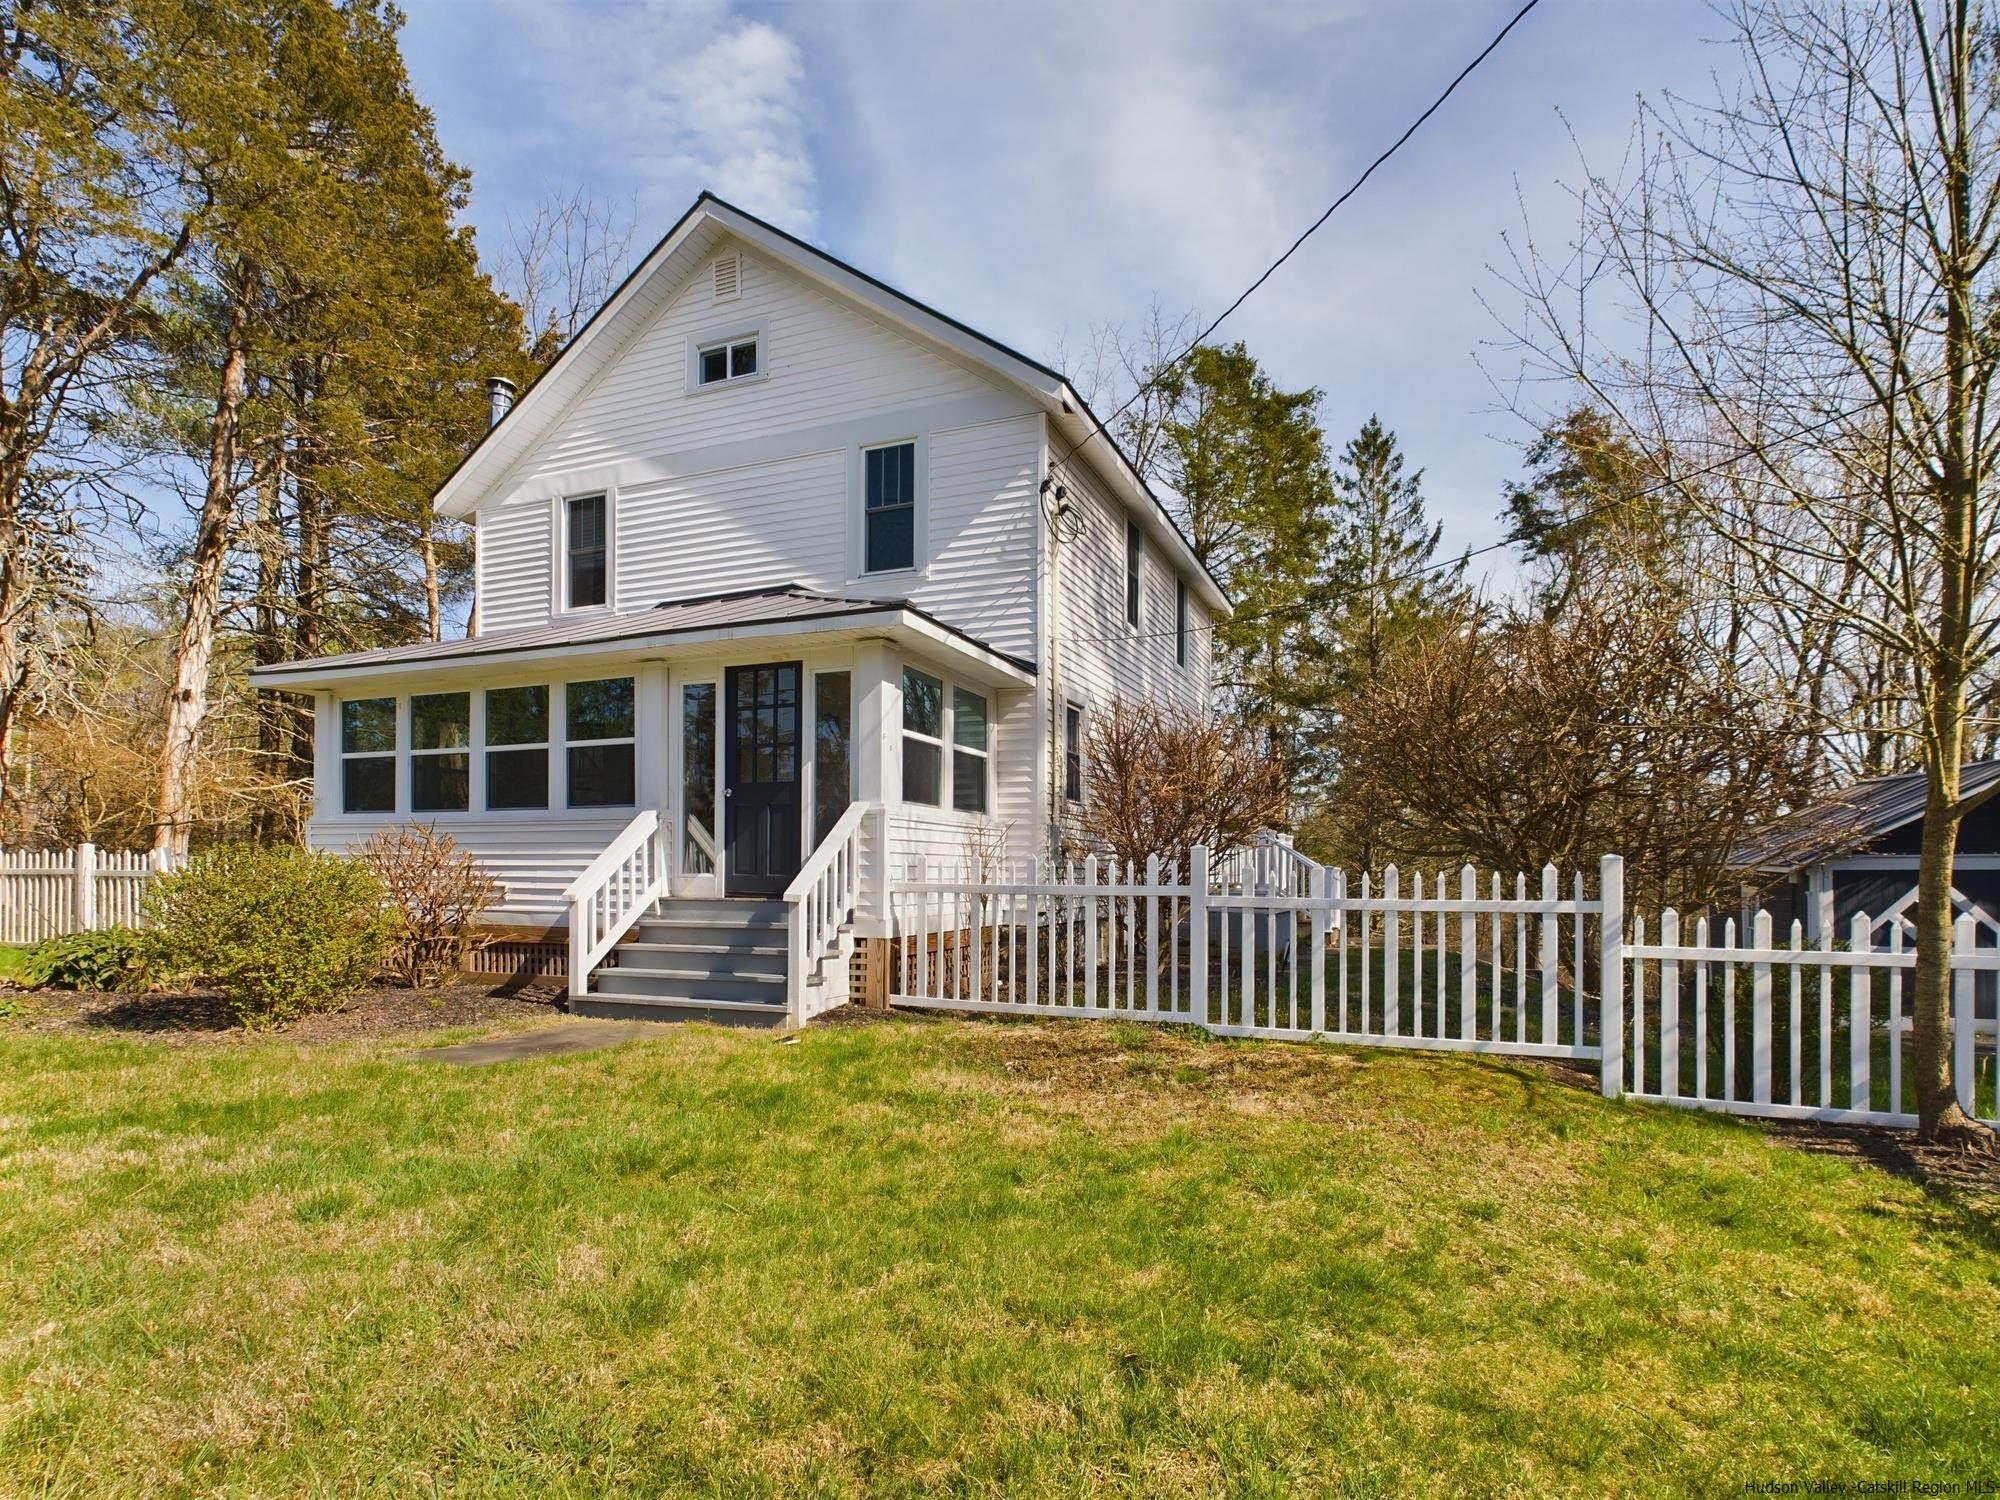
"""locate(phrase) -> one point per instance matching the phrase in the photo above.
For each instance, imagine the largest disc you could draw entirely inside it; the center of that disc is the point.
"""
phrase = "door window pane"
(833, 729)
(698, 778)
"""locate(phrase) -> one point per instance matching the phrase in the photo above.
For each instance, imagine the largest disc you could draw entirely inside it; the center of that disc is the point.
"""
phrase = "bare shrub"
(437, 892)
(1160, 780)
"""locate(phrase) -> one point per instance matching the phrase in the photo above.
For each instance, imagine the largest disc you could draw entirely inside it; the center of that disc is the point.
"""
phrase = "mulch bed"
(202, 1016)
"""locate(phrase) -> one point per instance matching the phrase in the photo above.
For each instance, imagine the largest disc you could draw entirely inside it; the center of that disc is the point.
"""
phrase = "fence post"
(83, 887)
(1090, 933)
(1321, 885)
(1392, 955)
(1760, 1012)
(1197, 878)
(1964, 940)
(1611, 975)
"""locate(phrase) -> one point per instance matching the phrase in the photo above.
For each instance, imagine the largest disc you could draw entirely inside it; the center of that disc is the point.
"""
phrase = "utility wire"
(1417, 124)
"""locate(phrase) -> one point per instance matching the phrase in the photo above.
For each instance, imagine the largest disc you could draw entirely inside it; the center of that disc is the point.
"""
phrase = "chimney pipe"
(499, 399)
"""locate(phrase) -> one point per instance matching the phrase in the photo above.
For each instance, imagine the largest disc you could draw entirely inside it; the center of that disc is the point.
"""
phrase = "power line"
(1415, 125)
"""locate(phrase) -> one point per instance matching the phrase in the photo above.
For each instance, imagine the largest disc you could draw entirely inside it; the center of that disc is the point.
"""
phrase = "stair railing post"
(1611, 975)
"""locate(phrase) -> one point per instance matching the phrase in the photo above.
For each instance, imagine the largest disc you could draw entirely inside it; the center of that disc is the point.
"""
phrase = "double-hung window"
(517, 747)
(923, 738)
(731, 359)
(368, 755)
(1180, 623)
(440, 752)
(586, 551)
(969, 731)
(1134, 551)
(598, 719)
(1072, 752)
(833, 734)
(889, 508)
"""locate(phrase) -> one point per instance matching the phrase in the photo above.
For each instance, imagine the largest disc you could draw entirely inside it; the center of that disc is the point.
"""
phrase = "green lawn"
(950, 1257)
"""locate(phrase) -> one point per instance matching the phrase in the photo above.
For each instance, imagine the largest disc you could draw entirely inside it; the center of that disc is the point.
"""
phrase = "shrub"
(83, 960)
(279, 931)
(437, 893)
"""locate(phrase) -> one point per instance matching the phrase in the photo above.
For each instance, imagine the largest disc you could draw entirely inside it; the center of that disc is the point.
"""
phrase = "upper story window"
(585, 548)
(889, 508)
(1180, 622)
(1134, 551)
(1072, 752)
(731, 360)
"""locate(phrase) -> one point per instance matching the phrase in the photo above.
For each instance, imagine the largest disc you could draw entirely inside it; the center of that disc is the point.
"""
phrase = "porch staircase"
(696, 960)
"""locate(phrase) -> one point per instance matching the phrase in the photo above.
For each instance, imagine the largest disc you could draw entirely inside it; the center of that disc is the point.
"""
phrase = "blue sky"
(1032, 169)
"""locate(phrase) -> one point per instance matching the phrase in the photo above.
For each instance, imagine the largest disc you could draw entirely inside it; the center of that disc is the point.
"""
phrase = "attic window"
(734, 360)
(728, 277)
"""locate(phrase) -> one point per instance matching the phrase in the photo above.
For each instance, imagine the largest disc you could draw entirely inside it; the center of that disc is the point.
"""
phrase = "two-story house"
(769, 545)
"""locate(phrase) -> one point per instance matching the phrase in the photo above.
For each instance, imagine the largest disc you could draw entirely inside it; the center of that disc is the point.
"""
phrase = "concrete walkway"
(550, 1041)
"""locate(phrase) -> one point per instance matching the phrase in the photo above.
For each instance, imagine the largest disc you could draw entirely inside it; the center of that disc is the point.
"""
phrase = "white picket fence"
(1265, 944)
(47, 893)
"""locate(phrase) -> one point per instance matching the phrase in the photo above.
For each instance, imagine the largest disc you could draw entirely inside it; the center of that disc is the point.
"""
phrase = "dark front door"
(762, 764)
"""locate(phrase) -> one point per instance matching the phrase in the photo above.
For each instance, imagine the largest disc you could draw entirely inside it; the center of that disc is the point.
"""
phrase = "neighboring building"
(769, 538)
(1856, 852)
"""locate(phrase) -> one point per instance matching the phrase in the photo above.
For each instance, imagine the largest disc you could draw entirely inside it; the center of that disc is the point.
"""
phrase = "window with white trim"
(517, 748)
(1180, 622)
(923, 738)
(969, 733)
(586, 551)
(889, 508)
(440, 752)
(368, 755)
(728, 359)
(1072, 752)
(1134, 550)
(599, 743)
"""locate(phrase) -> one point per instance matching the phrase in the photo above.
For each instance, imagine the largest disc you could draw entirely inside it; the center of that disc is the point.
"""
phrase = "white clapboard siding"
(823, 361)
(533, 858)
(981, 574)
(514, 565)
(755, 526)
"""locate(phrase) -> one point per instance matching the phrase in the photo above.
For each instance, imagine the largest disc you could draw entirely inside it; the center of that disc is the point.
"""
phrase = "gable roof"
(1850, 820)
(652, 284)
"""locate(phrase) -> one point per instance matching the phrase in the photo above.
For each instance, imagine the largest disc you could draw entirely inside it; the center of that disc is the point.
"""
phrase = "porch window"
(440, 752)
(833, 737)
(923, 737)
(368, 755)
(1072, 752)
(698, 778)
(890, 508)
(585, 548)
(517, 748)
(1134, 550)
(598, 734)
(1180, 622)
(968, 751)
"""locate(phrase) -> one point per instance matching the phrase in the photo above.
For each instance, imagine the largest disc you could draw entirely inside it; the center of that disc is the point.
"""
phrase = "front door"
(761, 778)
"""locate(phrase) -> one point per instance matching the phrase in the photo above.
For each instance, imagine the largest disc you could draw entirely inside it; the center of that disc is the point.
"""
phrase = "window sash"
(1180, 622)
(889, 507)
(1134, 551)
(728, 359)
(586, 547)
(1072, 753)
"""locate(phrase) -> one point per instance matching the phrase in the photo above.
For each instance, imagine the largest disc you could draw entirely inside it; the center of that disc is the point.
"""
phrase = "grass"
(954, 1257)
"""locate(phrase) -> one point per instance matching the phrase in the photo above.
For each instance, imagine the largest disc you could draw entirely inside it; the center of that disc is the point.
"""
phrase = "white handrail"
(1269, 864)
(819, 902)
(614, 891)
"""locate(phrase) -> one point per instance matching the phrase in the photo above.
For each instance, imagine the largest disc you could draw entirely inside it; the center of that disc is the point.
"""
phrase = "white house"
(779, 571)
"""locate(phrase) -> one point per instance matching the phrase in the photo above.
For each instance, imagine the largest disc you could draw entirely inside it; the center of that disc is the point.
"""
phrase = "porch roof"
(676, 626)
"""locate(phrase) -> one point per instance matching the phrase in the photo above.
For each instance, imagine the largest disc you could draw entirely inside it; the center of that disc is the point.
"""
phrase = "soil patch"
(203, 1016)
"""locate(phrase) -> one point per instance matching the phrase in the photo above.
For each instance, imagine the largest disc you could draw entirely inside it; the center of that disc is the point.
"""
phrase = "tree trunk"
(433, 605)
(187, 701)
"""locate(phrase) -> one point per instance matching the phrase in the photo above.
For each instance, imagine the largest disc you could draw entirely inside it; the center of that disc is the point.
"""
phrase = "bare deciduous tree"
(563, 263)
(1160, 780)
(1789, 301)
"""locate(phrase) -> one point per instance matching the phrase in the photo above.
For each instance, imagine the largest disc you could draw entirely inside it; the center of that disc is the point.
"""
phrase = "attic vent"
(728, 271)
